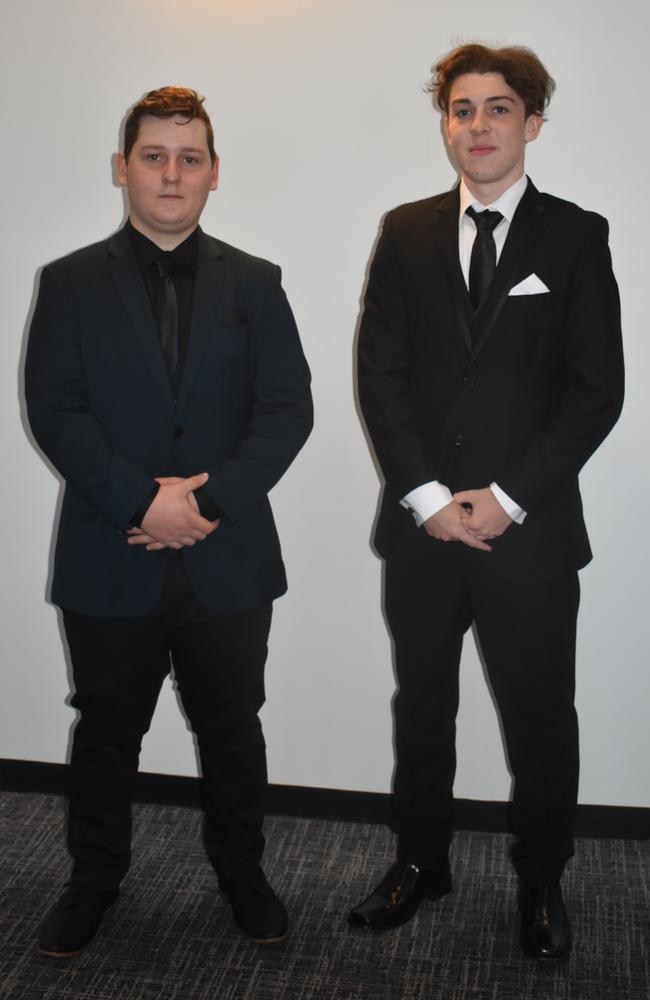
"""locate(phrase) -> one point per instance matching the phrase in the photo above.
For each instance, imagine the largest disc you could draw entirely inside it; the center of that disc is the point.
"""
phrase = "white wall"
(322, 125)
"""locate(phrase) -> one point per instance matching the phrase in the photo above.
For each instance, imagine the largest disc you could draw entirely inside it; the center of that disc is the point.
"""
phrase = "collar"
(506, 203)
(147, 253)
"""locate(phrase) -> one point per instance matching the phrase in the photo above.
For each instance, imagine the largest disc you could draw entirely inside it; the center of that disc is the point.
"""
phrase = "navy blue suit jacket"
(101, 407)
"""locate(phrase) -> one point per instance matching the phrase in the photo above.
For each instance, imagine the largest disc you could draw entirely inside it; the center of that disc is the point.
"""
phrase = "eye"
(191, 160)
(153, 157)
(500, 109)
(462, 113)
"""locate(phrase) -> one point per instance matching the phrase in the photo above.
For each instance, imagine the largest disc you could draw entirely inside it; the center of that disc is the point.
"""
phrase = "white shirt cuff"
(511, 508)
(426, 500)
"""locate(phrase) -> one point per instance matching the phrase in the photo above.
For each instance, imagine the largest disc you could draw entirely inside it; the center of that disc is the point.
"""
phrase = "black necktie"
(483, 262)
(167, 312)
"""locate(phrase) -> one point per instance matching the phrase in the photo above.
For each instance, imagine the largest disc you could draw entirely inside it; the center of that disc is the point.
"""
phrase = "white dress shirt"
(426, 500)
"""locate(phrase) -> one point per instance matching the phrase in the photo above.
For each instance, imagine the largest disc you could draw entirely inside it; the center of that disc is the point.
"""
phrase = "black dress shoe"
(545, 928)
(256, 908)
(397, 897)
(74, 920)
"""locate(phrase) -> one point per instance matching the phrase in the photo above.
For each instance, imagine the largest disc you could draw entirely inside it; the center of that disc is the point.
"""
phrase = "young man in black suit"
(166, 382)
(490, 369)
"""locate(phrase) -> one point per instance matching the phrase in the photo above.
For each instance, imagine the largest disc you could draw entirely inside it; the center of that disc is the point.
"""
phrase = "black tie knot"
(485, 221)
(166, 266)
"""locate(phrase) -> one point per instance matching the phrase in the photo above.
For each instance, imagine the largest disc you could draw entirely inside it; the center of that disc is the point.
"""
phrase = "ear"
(445, 124)
(214, 179)
(120, 163)
(532, 127)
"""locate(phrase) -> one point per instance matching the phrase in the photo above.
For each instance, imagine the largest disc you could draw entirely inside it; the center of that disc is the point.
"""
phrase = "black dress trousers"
(527, 632)
(119, 665)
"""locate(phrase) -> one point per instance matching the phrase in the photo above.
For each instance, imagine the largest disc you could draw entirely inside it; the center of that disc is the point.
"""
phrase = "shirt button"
(178, 432)
(459, 440)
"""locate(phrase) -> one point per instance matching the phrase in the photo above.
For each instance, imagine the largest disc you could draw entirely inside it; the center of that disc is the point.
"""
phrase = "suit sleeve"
(384, 375)
(593, 384)
(60, 417)
(281, 409)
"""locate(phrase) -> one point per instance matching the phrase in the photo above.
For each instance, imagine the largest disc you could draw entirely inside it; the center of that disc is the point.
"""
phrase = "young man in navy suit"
(166, 382)
(490, 369)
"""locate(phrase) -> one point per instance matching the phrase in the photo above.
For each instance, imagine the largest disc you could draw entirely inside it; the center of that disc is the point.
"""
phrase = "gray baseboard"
(328, 803)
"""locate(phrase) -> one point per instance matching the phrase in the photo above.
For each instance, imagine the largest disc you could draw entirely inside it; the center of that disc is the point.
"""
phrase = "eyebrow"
(184, 149)
(467, 100)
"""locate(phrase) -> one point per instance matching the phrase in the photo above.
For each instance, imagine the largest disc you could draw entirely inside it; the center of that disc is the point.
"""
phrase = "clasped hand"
(173, 519)
(483, 518)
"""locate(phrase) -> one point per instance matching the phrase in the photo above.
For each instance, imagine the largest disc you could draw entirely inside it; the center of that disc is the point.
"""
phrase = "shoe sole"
(59, 954)
(274, 940)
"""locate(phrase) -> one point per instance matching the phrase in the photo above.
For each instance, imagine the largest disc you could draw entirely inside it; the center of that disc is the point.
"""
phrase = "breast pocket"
(533, 310)
(231, 341)
(532, 325)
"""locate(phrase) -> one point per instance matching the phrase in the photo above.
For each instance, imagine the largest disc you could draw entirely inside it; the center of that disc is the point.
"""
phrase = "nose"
(480, 122)
(170, 172)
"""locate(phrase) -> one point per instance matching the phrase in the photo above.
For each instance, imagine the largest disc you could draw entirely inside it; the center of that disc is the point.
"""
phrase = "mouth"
(481, 150)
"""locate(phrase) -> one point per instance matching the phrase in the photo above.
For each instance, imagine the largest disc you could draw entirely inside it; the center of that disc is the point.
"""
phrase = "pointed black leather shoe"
(257, 910)
(545, 929)
(74, 920)
(398, 895)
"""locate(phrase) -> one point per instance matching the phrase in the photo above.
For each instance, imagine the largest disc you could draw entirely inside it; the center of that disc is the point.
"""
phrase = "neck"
(164, 241)
(489, 192)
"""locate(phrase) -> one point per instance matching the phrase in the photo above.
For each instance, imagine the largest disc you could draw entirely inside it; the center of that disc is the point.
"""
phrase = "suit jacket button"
(178, 432)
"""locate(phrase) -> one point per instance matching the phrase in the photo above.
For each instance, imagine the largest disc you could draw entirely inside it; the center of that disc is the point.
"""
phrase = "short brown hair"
(519, 67)
(164, 103)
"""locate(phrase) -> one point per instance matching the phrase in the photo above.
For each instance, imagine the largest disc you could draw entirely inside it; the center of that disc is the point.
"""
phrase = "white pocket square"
(531, 285)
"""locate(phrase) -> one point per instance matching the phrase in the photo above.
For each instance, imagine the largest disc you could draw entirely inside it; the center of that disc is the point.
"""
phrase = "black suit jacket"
(521, 393)
(101, 407)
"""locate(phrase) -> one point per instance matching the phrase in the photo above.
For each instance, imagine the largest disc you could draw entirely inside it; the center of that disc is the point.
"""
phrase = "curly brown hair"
(519, 67)
(164, 103)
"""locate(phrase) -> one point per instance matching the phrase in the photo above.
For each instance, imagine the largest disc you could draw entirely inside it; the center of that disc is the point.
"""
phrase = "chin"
(484, 177)
(169, 222)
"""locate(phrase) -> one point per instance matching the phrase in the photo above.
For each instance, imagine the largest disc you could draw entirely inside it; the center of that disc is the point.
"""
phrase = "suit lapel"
(210, 276)
(446, 222)
(524, 232)
(128, 280)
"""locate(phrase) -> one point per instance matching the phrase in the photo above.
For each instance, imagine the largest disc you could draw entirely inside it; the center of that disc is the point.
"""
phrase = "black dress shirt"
(147, 254)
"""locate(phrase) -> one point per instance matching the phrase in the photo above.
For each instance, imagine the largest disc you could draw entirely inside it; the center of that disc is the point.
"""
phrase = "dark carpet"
(171, 934)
